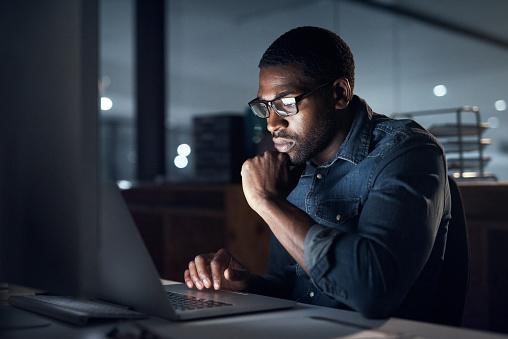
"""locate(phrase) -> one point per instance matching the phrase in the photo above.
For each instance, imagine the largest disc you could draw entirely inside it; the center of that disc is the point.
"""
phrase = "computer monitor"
(49, 171)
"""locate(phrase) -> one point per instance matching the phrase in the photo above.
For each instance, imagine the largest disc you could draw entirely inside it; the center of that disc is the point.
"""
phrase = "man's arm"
(266, 181)
(288, 223)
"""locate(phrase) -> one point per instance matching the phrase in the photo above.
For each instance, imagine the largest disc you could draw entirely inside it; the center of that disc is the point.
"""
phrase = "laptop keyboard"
(183, 302)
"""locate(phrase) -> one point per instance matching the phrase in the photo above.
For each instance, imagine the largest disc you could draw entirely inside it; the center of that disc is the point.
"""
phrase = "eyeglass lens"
(283, 107)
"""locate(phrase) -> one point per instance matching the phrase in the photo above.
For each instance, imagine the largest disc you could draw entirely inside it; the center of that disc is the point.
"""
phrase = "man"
(358, 203)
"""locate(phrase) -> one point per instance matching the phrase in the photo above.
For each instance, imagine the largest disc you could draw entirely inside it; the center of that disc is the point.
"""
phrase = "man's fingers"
(218, 263)
(222, 256)
(194, 275)
(187, 278)
(207, 270)
(203, 270)
(217, 269)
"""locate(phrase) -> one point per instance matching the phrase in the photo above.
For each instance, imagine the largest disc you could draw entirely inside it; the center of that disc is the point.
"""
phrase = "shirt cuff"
(316, 244)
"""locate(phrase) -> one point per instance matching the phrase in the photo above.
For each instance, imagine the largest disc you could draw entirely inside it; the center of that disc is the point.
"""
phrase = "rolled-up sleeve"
(317, 243)
(373, 268)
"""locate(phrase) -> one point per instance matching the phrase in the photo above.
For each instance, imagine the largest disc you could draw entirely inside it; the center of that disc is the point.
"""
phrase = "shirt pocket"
(338, 213)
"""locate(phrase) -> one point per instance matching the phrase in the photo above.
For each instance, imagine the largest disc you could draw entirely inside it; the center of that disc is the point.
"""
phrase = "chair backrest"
(454, 278)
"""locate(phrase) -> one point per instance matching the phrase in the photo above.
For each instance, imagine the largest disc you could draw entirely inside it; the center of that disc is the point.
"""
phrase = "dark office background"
(405, 51)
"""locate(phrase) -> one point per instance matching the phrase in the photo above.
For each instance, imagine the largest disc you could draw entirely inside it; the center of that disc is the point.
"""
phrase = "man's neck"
(333, 146)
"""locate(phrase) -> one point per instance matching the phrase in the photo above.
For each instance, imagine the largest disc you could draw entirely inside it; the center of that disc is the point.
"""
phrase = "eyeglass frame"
(269, 103)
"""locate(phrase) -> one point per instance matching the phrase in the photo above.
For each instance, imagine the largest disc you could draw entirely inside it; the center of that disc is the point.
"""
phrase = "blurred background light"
(181, 161)
(500, 105)
(106, 103)
(183, 150)
(440, 90)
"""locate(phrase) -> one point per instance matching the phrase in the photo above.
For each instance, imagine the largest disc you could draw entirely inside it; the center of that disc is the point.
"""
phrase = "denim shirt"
(380, 208)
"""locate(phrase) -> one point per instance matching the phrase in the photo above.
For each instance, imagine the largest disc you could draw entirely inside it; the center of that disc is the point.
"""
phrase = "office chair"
(454, 279)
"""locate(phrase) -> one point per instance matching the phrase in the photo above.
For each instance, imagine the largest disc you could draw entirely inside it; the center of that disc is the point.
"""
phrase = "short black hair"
(321, 54)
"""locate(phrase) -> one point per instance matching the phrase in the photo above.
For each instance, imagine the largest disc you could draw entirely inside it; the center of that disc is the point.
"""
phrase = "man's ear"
(342, 93)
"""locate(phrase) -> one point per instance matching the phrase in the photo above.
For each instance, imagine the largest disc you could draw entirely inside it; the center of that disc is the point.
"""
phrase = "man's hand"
(268, 176)
(219, 270)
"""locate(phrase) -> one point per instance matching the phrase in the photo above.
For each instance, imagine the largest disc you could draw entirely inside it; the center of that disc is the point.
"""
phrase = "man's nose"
(274, 122)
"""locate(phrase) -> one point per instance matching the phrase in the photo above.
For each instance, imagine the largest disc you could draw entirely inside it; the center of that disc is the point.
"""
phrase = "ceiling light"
(440, 90)
(181, 161)
(124, 184)
(183, 150)
(500, 105)
(106, 104)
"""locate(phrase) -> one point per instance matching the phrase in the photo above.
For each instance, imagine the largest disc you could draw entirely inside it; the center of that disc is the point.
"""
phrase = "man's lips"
(283, 145)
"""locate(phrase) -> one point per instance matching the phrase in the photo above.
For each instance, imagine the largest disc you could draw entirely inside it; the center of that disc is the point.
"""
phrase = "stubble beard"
(308, 147)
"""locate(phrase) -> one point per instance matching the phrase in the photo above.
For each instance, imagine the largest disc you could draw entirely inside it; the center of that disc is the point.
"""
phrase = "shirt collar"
(355, 147)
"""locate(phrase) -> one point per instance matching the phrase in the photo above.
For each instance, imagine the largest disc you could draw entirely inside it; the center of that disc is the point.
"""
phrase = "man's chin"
(295, 158)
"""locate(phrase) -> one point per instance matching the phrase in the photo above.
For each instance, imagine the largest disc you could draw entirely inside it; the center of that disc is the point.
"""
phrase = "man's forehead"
(274, 80)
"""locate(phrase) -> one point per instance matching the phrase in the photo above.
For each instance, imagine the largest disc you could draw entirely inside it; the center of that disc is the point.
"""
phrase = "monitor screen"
(49, 173)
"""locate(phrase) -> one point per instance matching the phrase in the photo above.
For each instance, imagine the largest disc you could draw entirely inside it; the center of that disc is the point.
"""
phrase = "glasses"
(283, 106)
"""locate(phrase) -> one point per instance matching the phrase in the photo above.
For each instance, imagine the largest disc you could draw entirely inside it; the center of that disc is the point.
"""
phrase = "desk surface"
(304, 321)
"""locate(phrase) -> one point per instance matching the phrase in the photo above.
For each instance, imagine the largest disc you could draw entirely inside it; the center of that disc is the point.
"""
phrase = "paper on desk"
(372, 334)
(169, 282)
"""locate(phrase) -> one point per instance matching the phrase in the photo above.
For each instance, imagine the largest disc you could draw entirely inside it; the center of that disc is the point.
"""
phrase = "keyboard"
(76, 311)
(181, 302)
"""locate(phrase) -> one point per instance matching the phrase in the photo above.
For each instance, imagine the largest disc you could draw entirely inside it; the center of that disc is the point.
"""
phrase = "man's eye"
(288, 101)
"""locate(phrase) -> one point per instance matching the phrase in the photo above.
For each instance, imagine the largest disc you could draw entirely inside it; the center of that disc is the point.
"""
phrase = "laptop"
(129, 277)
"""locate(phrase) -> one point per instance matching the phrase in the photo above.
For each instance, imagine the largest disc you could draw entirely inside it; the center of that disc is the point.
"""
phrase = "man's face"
(305, 135)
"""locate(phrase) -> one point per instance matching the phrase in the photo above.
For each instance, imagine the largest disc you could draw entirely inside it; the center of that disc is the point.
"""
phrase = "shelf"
(454, 146)
(462, 142)
(452, 129)
(468, 164)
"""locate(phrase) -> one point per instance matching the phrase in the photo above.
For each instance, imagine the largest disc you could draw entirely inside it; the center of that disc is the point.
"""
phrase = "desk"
(210, 210)
(304, 321)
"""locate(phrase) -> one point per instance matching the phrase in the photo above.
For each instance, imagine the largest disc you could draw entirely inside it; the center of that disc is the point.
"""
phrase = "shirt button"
(338, 217)
(319, 176)
(311, 294)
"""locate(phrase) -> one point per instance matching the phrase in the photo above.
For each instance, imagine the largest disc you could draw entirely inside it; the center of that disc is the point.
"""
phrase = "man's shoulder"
(389, 127)
(375, 135)
(388, 133)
